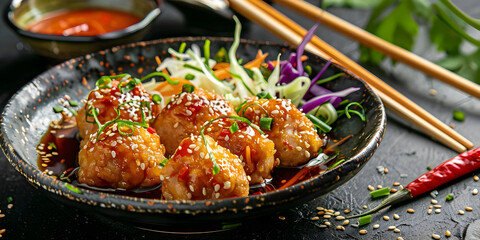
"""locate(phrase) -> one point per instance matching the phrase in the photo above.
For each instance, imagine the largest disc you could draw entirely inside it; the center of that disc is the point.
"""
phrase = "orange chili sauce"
(83, 22)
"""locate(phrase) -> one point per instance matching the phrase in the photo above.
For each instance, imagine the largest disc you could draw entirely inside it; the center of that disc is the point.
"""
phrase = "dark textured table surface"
(404, 151)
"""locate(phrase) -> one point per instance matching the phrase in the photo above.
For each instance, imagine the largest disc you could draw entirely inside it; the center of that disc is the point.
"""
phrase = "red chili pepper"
(183, 173)
(454, 168)
(458, 166)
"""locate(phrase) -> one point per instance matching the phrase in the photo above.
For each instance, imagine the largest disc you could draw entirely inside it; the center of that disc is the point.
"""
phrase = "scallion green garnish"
(380, 192)
(234, 127)
(122, 125)
(182, 47)
(216, 168)
(9, 199)
(188, 88)
(73, 103)
(237, 109)
(156, 99)
(308, 70)
(160, 74)
(229, 226)
(73, 189)
(254, 104)
(429, 168)
(319, 123)
(336, 164)
(58, 109)
(266, 123)
(164, 162)
(186, 65)
(52, 144)
(104, 82)
(328, 79)
(189, 76)
(364, 220)
(264, 96)
(458, 115)
(206, 51)
(449, 197)
(243, 82)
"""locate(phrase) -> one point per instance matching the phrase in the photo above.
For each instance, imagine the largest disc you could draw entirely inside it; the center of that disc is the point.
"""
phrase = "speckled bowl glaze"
(28, 113)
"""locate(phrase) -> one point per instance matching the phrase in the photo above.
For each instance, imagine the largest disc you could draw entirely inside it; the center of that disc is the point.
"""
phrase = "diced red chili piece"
(151, 130)
(183, 173)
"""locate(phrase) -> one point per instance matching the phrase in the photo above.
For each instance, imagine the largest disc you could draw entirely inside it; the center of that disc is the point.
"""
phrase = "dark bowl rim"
(130, 30)
(175, 207)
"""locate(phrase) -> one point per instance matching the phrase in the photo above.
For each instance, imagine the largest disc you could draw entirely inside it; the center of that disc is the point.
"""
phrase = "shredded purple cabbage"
(301, 48)
(316, 101)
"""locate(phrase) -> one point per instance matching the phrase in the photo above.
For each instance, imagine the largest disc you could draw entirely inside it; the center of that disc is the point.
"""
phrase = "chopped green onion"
(189, 77)
(266, 95)
(429, 168)
(216, 168)
(458, 115)
(380, 192)
(52, 144)
(182, 47)
(266, 123)
(364, 220)
(73, 189)
(122, 124)
(237, 109)
(164, 162)
(449, 197)
(308, 70)
(336, 164)
(9, 199)
(58, 109)
(156, 99)
(129, 86)
(104, 82)
(186, 65)
(328, 79)
(160, 74)
(229, 226)
(234, 127)
(73, 103)
(319, 123)
(344, 102)
(188, 88)
(74, 113)
(124, 75)
(206, 51)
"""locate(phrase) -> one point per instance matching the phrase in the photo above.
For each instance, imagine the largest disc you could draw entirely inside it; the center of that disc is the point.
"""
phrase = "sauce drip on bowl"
(59, 147)
(83, 22)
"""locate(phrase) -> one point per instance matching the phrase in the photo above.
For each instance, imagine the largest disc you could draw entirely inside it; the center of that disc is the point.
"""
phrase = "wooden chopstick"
(268, 17)
(372, 41)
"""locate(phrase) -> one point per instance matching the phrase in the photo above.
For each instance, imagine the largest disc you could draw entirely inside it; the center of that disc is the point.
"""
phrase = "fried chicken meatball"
(296, 141)
(188, 175)
(107, 100)
(255, 150)
(185, 115)
(123, 157)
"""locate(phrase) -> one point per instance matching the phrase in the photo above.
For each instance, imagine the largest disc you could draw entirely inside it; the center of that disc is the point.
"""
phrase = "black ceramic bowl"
(28, 113)
(20, 14)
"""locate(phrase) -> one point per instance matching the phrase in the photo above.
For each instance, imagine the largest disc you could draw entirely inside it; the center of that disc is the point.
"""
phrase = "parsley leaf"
(397, 27)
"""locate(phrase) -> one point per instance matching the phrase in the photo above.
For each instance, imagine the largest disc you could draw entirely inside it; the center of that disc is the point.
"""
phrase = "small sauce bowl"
(22, 13)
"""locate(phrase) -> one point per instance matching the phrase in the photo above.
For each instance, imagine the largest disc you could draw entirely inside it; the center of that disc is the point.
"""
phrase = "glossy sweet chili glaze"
(83, 22)
(58, 156)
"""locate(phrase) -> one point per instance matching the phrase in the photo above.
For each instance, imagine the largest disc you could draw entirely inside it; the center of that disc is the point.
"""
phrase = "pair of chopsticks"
(280, 25)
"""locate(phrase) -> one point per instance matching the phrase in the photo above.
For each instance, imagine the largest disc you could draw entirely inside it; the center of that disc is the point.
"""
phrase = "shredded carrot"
(221, 65)
(331, 148)
(159, 62)
(300, 174)
(222, 69)
(257, 61)
(167, 89)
